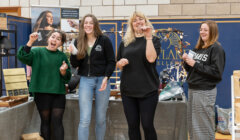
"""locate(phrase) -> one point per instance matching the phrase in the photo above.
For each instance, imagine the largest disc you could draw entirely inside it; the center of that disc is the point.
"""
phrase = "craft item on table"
(13, 100)
(171, 90)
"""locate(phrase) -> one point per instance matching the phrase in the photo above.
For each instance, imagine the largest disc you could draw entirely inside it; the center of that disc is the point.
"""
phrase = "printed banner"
(45, 19)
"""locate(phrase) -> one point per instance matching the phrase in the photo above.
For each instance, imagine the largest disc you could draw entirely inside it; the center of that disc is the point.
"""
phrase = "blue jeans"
(89, 87)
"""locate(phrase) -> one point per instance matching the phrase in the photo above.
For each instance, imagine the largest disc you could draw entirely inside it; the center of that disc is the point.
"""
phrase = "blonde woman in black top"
(136, 58)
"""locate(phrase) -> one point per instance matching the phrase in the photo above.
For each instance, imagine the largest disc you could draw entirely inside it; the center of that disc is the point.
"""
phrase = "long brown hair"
(41, 21)
(213, 35)
(82, 43)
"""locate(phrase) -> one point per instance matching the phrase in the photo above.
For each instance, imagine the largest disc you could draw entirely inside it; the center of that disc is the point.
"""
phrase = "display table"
(14, 120)
(170, 121)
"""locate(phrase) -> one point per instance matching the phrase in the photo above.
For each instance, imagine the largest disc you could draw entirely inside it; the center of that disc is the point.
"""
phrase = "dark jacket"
(101, 61)
(208, 69)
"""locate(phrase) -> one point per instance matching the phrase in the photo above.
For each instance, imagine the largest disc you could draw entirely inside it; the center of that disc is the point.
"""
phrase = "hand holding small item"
(184, 56)
(32, 38)
(63, 68)
(73, 24)
(147, 30)
(72, 49)
(188, 60)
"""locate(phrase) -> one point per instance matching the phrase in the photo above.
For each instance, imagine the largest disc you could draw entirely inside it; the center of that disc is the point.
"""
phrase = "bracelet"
(148, 38)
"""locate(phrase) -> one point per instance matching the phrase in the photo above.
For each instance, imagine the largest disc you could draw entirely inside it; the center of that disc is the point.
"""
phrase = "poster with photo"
(69, 24)
(69, 19)
(45, 19)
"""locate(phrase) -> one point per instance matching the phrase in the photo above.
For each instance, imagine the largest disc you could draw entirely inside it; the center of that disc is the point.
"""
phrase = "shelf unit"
(235, 97)
(14, 47)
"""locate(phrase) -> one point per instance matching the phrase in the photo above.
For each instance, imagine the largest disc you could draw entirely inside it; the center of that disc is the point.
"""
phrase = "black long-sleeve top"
(101, 61)
(208, 69)
(139, 78)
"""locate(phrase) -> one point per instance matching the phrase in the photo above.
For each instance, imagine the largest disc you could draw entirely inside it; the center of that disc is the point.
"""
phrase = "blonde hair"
(213, 35)
(82, 39)
(129, 36)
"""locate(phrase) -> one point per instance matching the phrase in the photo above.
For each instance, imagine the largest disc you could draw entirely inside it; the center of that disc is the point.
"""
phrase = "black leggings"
(51, 110)
(143, 109)
(53, 117)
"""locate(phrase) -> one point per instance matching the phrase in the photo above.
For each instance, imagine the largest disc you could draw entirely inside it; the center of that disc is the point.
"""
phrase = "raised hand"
(72, 49)
(147, 30)
(32, 38)
(73, 24)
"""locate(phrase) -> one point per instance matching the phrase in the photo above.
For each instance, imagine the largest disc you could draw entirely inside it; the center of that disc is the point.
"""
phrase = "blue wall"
(23, 31)
(229, 38)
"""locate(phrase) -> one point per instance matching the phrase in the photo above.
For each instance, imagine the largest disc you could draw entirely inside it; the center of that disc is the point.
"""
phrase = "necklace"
(139, 34)
(91, 43)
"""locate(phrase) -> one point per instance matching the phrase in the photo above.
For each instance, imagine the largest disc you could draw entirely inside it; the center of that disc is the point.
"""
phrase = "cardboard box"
(3, 21)
(236, 80)
(237, 134)
(13, 100)
(237, 111)
(236, 73)
(31, 136)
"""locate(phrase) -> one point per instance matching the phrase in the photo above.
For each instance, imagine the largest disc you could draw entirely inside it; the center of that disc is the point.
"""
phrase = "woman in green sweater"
(50, 73)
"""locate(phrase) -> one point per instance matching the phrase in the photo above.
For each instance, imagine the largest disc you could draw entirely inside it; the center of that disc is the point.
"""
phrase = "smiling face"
(137, 23)
(54, 41)
(204, 32)
(88, 25)
(49, 18)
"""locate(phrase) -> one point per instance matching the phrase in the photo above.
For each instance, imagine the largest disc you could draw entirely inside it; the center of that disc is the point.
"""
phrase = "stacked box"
(31, 136)
(3, 21)
(236, 81)
(237, 111)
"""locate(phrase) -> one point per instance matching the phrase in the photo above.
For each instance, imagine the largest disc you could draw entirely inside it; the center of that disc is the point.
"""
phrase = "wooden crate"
(15, 81)
(236, 78)
(13, 100)
(237, 111)
(236, 85)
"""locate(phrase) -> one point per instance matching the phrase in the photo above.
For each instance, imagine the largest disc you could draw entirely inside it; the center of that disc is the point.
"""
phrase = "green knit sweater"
(46, 77)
